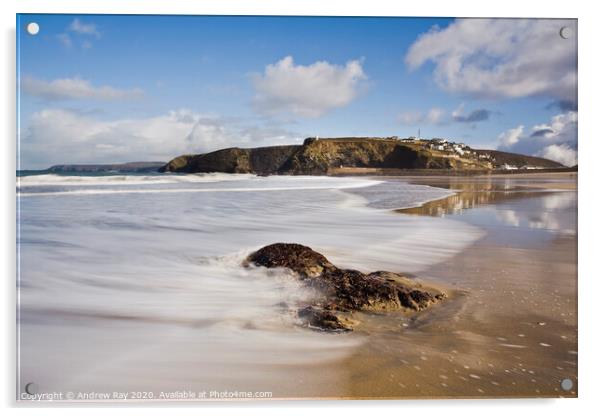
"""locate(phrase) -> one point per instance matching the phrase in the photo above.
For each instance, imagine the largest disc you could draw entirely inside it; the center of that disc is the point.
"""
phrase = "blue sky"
(104, 88)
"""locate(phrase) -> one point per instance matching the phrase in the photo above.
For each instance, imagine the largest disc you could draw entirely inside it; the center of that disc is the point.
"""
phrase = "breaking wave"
(148, 274)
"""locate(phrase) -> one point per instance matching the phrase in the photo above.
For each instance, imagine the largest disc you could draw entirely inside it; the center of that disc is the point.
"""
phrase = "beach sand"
(509, 328)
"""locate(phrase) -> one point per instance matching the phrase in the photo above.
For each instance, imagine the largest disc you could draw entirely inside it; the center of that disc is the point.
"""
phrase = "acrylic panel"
(281, 207)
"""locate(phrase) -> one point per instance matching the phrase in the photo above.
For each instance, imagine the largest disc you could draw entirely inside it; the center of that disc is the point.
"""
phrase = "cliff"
(324, 155)
(260, 160)
(319, 156)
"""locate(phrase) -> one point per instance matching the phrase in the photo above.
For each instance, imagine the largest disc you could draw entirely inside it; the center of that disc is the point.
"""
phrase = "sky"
(110, 89)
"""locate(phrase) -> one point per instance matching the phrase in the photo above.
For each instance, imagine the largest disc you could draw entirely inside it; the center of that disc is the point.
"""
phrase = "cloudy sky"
(105, 89)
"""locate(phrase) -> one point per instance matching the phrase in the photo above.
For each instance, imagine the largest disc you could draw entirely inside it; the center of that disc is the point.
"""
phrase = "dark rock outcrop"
(260, 160)
(343, 290)
(300, 259)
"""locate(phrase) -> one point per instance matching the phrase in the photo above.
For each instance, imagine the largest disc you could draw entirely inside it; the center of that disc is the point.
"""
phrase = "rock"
(343, 290)
(300, 259)
(259, 160)
(321, 319)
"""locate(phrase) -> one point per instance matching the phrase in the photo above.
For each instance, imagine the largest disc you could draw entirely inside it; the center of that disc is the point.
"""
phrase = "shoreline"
(228, 330)
(389, 355)
(509, 330)
(380, 172)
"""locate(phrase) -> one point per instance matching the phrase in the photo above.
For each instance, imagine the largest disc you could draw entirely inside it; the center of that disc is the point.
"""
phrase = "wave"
(121, 270)
(107, 180)
(184, 190)
(183, 184)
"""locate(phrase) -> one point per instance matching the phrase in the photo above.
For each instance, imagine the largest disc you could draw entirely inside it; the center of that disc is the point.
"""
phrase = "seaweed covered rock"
(343, 290)
(322, 319)
(300, 259)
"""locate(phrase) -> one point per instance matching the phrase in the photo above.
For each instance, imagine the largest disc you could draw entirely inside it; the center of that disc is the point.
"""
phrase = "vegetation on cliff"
(513, 159)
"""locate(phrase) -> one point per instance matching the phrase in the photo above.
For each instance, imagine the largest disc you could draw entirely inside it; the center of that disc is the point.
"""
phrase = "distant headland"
(359, 155)
(137, 167)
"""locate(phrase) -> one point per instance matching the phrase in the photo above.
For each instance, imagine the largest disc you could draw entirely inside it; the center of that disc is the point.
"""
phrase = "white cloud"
(306, 91)
(433, 116)
(511, 136)
(440, 116)
(561, 153)
(79, 29)
(75, 88)
(475, 116)
(501, 58)
(82, 28)
(56, 136)
(558, 126)
(556, 140)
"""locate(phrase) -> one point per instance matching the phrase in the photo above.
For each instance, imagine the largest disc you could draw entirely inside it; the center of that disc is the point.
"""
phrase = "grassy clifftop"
(320, 156)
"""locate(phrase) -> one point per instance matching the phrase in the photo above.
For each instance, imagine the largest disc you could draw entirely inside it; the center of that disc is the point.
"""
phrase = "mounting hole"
(566, 32)
(33, 28)
(31, 388)
(566, 384)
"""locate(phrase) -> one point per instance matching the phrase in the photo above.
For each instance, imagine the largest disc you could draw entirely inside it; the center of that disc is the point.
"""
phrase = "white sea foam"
(121, 283)
(195, 190)
(112, 180)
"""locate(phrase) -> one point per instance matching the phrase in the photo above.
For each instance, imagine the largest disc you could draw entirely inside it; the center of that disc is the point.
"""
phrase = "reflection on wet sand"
(474, 193)
(510, 327)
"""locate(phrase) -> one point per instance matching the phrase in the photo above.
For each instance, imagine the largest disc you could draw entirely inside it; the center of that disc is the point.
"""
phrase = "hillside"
(513, 159)
(331, 155)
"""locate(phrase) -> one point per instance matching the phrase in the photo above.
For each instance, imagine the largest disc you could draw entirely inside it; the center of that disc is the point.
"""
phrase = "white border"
(589, 159)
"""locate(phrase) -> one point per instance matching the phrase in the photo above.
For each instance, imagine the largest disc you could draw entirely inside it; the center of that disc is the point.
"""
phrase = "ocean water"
(134, 282)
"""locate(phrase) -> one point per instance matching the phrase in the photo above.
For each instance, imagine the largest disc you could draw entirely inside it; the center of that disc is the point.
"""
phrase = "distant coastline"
(128, 167)
(348, 156)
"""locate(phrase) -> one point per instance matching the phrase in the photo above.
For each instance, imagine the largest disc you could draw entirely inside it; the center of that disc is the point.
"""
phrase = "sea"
(134, 282)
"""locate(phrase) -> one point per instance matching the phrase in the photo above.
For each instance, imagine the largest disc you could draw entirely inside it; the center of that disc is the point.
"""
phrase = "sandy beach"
(171, 316)
(510, 328)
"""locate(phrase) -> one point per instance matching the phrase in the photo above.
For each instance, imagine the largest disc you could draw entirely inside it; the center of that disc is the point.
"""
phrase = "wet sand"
(510, 327)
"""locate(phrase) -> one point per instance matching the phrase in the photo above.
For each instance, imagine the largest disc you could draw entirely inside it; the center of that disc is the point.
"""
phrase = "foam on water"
(154, 271)
(114, 179)
(51, 185)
